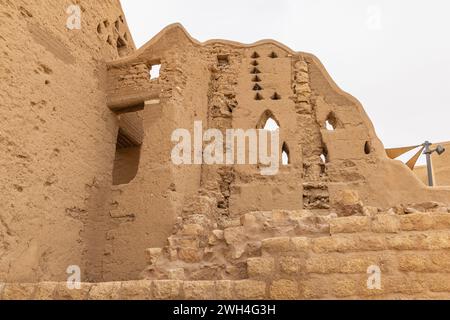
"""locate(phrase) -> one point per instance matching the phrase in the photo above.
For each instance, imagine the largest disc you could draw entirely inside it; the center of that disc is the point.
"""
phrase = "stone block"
(415, 262)
(260, 267)
(136, 290)
(250, 290)
(190, 255)
(386, 223)
(153, 255)
(105, 291)
(18, 291)
(416, 222)
(281, 244)
(224, 290)
(45, 290)
(284, 290)
(167, 289)
(299, 244)
(199, 290)
(62, 292)
(290, 265)
(349, 225)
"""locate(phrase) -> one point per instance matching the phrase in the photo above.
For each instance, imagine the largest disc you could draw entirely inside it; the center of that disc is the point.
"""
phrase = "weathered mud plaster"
(230, 85)
(85, 146)
(57, 136)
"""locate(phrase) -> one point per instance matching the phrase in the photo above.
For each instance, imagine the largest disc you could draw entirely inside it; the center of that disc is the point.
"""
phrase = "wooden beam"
(135, 100)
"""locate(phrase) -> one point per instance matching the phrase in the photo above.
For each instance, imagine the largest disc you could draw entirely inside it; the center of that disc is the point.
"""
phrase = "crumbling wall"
(63, 140)
(355, 156)
(229, 85)
(144, 210)
(411, 252)
(57, 137)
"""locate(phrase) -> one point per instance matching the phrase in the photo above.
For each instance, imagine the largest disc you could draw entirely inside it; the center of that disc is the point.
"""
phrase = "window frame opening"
(324, 157)
(331, 123)
(155, 71)
(285, 155)
(368, 148)
(128, 148)
(266, 115)
(223, 60)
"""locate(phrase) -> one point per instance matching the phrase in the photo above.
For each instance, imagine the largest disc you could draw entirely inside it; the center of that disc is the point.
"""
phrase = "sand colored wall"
(57, 137)
(421, 173)
(411, 251)
(62, 115)
(144, 211)
(215, 82)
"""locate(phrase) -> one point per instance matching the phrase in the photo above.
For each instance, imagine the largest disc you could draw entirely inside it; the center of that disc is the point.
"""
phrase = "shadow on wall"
(128, 148)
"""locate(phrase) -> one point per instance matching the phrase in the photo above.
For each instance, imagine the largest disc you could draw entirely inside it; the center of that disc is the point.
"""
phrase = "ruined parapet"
(329, 140)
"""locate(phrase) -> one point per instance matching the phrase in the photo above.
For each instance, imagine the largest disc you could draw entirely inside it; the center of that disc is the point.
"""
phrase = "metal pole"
(427, 152)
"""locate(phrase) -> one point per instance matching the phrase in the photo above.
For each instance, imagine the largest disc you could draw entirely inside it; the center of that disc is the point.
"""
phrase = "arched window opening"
(271, 125)
(154, 71)
(367, 147)
(121, 47)
(331, 122)
(128, 148)
(268, 121)
(329, 126)
(324, 155)
(285, 155)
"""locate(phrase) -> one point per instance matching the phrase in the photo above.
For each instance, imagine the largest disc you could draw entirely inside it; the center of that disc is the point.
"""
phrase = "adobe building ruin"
(87, 177)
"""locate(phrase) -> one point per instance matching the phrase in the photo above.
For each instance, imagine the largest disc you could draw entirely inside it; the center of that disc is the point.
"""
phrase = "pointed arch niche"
(285, 155)
(332, 123)
(268, 121)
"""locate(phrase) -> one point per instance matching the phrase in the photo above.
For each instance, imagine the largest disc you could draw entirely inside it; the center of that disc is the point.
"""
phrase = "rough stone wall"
(412, 252)
(57, 136)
